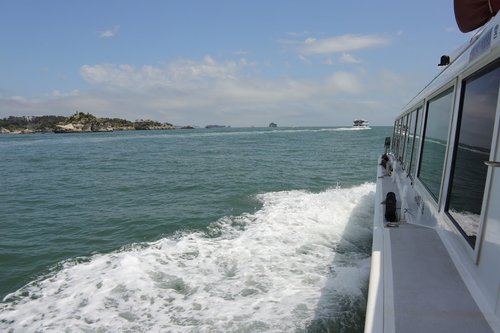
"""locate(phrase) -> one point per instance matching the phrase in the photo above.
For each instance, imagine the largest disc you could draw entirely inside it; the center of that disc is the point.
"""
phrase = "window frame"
(417, 147)
(452, 87)
(471, 75)
(412, 117)
(404, 133)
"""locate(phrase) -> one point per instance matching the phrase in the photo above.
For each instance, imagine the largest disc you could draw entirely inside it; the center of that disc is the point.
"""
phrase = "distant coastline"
(77, 123)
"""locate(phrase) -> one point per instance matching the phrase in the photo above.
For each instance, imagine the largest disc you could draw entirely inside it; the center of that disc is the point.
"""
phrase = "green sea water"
(205, 230)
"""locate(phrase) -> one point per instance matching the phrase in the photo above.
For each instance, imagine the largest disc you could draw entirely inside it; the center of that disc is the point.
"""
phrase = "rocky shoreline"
(78, 123)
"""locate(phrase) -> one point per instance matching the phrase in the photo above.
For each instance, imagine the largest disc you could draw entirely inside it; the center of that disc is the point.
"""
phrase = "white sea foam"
(228, 132)
(353, 128)
(276, 270)
(467, 220)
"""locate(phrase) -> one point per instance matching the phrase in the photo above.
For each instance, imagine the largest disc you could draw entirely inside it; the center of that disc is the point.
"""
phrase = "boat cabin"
(436, 267)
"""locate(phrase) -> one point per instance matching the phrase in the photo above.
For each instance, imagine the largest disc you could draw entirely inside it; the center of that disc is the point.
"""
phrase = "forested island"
(78, 122)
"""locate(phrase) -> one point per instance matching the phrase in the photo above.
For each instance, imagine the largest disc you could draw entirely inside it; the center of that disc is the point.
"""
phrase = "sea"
(201, 230)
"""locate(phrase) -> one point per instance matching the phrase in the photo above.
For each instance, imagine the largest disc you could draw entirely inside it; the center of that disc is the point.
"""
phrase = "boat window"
(404, 131)
(474, 136)
(396, 138)
(416, 140)
(409, 141)
(434, 141)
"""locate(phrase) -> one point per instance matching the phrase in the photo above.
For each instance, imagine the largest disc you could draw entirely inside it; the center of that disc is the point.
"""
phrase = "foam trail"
(352, 128)
(276, 270)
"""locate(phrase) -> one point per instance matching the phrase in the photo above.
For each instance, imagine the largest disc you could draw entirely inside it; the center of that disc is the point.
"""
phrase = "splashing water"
(299, 263)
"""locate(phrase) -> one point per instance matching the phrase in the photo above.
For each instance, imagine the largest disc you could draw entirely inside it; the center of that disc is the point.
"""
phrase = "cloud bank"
(208, 91)
(231, 92)
(344, 43)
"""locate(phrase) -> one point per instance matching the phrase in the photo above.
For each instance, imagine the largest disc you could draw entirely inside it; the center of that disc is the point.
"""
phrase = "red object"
(472, 14)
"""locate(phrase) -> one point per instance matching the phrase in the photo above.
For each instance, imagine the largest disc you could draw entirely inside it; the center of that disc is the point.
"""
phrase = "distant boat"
(360, 123)
(216, 126)
(273, 125)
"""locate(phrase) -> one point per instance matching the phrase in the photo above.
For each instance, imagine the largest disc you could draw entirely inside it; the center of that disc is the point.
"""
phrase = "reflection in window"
(435, 141)
(475, 132)
(409, 141)
(403, 138)
(394, 137)
(416, 143)
(397, 136)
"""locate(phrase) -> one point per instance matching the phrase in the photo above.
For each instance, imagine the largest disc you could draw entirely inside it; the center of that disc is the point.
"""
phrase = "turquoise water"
(234, 230)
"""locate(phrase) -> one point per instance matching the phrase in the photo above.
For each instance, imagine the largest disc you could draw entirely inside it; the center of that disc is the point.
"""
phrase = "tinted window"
(435, 141)
(474, 143)
(394, 142)
(403, 138)
(409, 140)
(416, 143)
(397, 133)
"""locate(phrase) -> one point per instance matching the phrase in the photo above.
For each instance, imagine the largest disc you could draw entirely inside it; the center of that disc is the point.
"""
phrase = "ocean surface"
(206, 230)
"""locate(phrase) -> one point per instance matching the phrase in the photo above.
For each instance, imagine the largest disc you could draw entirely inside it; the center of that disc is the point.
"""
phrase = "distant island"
(77, 123)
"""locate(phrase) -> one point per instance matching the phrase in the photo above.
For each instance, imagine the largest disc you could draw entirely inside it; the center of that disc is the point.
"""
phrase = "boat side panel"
(380, 304)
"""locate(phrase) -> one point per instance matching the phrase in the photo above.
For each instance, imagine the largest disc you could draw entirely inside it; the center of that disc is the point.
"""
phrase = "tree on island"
(78, 122)
(147, 124)
(31, 123)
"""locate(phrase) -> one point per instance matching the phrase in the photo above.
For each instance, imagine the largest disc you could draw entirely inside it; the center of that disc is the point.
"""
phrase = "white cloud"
(59, 94)
(210, 91)
(210, 78)
(347, 58)
(20, 99)
(310, 40)
(297, 33)
(328, 61)
(344, 43)
(344, 82)
(208, 68)
(109, 33)
(304, 59)
(178, 73)
(122, 76)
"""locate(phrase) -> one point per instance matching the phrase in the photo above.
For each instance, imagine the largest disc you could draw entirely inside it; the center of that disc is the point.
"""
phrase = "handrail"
(493, 164)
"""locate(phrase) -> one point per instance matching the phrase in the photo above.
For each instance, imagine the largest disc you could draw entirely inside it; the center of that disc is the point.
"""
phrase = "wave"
(299, 258)
(353, 128)
(77, 138)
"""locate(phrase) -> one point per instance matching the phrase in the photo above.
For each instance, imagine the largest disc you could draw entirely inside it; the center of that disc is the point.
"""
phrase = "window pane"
(409, 141)
(404, 131)
(398, 136)
(474, 144)
(417, 138)
(435, 141)
(394, 142)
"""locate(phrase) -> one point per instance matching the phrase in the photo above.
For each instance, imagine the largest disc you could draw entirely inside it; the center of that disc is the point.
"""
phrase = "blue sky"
(238, 63)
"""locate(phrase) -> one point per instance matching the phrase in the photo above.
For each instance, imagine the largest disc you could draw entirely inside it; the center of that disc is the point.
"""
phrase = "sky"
(235, 63)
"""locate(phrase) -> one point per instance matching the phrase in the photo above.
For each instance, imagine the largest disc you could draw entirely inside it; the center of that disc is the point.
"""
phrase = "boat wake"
(353, 128)
(296, 263)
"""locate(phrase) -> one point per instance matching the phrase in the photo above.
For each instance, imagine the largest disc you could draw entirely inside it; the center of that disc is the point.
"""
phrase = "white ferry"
(360, 123)
(436, 234)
